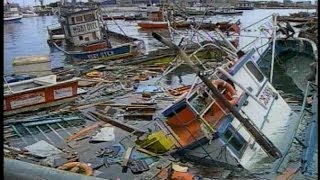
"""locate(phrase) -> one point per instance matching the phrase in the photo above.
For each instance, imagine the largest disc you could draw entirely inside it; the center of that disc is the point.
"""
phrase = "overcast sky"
(33, 2)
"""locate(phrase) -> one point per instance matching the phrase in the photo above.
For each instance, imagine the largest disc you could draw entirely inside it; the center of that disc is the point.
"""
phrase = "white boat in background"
(11, 13)
(29, 13)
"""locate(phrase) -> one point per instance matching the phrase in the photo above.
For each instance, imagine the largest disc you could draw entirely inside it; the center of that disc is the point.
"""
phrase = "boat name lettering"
(266, 95)
(101, 54)
(27, 99)
(84, 28)
(91, 26)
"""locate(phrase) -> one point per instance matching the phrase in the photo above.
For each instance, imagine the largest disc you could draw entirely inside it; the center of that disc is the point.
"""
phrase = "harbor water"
(29, 37)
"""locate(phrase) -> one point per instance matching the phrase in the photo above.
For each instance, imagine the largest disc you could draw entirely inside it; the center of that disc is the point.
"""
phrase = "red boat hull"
(39, 97)
(152, 25)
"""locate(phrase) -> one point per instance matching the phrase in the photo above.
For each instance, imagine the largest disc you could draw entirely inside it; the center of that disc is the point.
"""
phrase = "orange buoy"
(230, 93)
(94, 74)
(88, 171)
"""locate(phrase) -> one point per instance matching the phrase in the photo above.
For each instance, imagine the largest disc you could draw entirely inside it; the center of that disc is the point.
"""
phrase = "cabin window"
(255, 71)
(198, 102)
(233, 140)
(72, 20)
(86, 39)
(94, 35)
(80, 38)
(79, 18)
(89, 17)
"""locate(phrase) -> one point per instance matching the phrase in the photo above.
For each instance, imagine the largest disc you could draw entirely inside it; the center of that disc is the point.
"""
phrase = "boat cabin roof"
(67, 13)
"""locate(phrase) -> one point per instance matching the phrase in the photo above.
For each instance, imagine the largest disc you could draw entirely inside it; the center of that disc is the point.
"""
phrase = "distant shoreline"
(287, 7)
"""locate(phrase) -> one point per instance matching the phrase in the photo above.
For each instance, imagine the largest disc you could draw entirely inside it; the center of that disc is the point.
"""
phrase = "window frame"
(77, 19)
(253, 73)
(87, 19)
(237, 136)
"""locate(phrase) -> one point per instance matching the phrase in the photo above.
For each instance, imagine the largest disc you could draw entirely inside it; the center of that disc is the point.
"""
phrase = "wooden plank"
(97, 80)
(88, 105)
(131, 129)
(145, 116)
(149, 109)
(147, 152)
(144, 103)
(126, 157)
(125, 105)
(84, 131)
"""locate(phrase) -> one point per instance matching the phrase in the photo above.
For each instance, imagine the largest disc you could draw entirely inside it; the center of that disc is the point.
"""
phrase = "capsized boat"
(36, 93)
(204, 126)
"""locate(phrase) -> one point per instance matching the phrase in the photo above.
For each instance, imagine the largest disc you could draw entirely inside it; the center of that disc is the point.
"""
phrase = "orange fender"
(88, 171)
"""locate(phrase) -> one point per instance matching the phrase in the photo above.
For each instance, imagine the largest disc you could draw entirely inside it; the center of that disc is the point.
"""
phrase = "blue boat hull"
(104, 54)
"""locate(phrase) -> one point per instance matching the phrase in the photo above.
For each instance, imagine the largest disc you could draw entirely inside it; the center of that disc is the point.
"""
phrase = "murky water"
(30, 36)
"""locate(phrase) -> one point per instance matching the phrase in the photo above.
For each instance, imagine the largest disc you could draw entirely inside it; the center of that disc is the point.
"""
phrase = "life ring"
(94, 74)
(88, 171)
(230, 94)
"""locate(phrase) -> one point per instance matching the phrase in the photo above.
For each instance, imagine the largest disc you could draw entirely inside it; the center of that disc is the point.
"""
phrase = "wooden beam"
(126, 157)
(128, 128)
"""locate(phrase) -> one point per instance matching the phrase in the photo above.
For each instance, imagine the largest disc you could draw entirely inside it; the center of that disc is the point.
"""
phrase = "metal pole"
(273, 46)
(262, 140)
(226, 40)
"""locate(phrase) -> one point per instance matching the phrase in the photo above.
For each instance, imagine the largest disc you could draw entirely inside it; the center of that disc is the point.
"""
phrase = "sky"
(36, 2)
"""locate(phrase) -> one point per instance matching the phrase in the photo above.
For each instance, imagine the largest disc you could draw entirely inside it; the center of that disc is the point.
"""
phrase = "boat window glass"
(72, 20)
(89, 17)
(197, 102)
(86, 39)
(255, 71)
(234, 140)
(80, 38)
(79, 18)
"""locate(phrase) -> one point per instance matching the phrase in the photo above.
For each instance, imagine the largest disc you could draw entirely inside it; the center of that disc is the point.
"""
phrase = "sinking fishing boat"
(86, 37)
(247, 123)
(155, 19)
(153, 24)
(36, 93)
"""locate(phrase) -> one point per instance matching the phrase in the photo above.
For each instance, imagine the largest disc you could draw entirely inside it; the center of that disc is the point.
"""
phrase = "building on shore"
(244, 5)
(219, 3)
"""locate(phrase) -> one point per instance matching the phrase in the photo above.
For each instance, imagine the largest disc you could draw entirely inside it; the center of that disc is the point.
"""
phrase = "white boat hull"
(12, 19)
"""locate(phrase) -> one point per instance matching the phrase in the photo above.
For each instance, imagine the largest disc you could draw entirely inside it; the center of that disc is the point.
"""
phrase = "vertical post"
(273, 46)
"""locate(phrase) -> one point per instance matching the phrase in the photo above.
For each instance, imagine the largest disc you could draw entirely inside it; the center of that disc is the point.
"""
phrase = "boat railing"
(53, 27)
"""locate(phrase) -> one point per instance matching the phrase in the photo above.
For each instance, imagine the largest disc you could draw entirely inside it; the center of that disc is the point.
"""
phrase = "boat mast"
(259, 137)
(273, 46)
